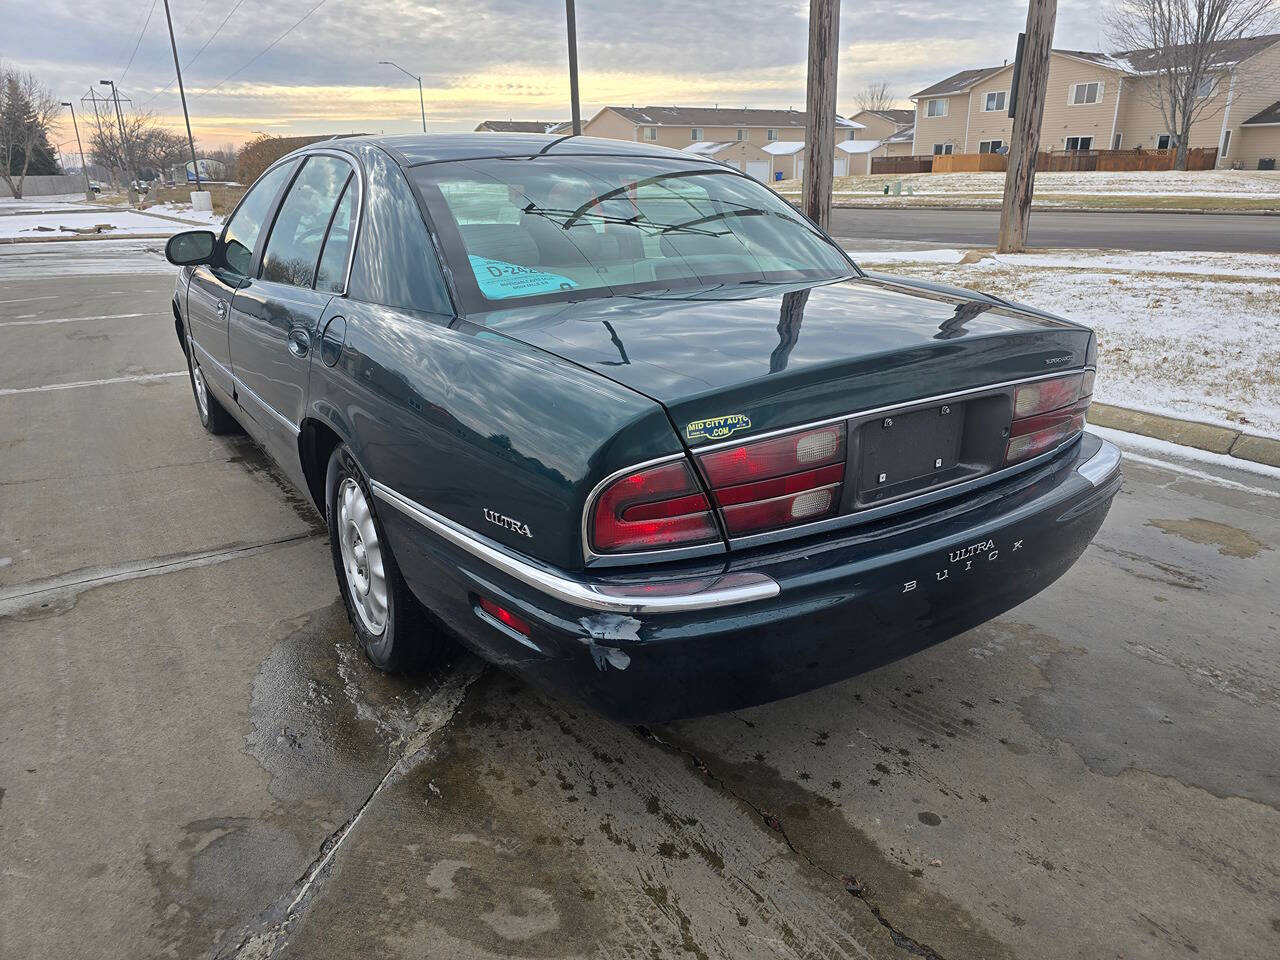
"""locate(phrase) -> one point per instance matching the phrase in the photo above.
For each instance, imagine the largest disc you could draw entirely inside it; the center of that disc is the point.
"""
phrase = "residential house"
(742, 155)
(678, 127)
(521, 126)
(1100, 101)
(882, 124)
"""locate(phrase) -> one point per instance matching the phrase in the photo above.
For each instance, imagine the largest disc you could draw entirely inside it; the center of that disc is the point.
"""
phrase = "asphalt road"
(1125, 230)
(195, 761)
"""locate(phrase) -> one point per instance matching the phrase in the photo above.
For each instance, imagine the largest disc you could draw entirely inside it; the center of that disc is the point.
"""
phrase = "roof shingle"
(1269, 115)
(718, 117)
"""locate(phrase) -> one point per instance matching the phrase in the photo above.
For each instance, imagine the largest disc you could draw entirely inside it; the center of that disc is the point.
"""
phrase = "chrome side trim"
(677, 596)
(1099, 468)
(240, 387)
(890, 408)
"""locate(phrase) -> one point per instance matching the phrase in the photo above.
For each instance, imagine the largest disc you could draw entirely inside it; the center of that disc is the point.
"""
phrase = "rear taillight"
(778, 482)
(1047, 413)
(656, 507)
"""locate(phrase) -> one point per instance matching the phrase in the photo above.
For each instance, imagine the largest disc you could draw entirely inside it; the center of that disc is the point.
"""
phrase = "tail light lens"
(660, 506)
(1047, 413)
(778, 482)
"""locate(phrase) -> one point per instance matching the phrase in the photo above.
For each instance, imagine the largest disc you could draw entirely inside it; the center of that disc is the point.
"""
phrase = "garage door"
(841, 167)
(758, 169)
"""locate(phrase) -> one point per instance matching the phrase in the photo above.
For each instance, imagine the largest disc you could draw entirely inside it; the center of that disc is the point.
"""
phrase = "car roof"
(415, 149)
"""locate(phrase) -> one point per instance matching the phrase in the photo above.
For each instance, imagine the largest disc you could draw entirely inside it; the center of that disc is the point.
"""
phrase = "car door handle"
(221, 307)
(299, 342)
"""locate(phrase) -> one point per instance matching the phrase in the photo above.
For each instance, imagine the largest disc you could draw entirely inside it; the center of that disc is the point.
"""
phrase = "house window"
(942, 149)
(771, 134)
(935, 108)
(990, 146)
(1205, 87)
(742, 134)
(995, 101)
(695, 134)
(1164, 141)
(1082, 93)
(651, 133)
(1116, 141)
(853, 135)
(1079, 143)
(1226, 142)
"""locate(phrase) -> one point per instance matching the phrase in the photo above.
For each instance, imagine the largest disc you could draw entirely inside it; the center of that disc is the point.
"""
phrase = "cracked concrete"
(195, 761)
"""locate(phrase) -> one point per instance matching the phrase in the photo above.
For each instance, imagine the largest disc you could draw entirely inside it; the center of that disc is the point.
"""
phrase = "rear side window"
(293, 248)
(240, 239)
(333, 259)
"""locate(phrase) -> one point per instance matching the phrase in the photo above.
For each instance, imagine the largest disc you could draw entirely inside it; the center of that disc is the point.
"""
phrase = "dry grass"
(224, 197)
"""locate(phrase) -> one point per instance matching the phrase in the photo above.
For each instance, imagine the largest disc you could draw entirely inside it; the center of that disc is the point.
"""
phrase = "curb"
(1189, 433)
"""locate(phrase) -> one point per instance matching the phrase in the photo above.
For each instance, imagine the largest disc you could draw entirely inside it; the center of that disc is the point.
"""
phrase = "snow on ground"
(123, 223)
(31, 261)
(184, 212)
(1193, 335)
(1258, 184)
(27, 204)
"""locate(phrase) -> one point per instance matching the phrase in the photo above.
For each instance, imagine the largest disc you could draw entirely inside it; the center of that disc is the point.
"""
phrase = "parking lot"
(196, 761)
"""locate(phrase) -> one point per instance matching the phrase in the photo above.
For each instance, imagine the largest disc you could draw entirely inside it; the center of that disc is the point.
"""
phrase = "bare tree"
(27, 109)
(153, 147)
(1180, 49)
(875, 96)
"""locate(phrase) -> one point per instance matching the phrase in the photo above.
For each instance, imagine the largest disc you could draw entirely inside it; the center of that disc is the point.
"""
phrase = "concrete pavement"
(1123, 230)
(196, 762)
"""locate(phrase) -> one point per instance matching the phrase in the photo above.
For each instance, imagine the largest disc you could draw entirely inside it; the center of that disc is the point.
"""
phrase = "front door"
(213, 287)
(275, 317)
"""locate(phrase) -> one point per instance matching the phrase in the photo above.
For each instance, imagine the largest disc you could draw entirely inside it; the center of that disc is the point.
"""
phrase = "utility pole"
(84, 167)
(422, 104)
(572, 22)
(183, 94)
(131, 173)
(1031, 78)
(820, 110)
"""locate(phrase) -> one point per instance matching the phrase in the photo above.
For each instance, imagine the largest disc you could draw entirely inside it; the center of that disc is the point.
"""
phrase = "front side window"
(573, 228)
(995, 101)
(240, 239)
(936, 108)
(1084, 93)
(293, 249)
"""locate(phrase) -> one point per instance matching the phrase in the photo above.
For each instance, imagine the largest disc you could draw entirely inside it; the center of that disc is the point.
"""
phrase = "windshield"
(569, 228)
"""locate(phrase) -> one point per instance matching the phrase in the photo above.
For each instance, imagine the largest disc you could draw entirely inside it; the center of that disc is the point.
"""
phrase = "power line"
(194, 58)
(261, 53)
(141, 34)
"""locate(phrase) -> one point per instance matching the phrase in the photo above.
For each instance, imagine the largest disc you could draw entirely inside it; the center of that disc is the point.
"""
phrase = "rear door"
(213, 287)
(276, 317)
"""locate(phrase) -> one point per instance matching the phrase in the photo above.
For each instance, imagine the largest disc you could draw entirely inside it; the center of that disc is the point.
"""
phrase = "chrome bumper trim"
(1099, 468)
(656, 596)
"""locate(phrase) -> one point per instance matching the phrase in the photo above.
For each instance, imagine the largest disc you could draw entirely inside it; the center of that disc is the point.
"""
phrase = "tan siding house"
(677, 127)
(1099, 101)
(881, 124)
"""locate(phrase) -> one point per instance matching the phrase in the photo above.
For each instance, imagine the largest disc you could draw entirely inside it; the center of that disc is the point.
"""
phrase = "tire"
(213, 415)
(393, 628)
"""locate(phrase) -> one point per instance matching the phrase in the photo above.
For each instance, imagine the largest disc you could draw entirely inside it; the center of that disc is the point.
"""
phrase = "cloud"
(499, 58)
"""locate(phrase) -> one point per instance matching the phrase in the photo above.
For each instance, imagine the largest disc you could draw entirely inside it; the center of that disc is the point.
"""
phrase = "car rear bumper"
(768, 623)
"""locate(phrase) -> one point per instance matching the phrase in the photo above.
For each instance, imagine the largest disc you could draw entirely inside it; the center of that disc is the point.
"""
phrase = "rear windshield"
(570, 228)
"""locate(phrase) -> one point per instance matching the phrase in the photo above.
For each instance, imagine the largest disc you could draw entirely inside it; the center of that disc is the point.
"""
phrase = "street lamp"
(421, 103)
(84, 167)
(124, 146)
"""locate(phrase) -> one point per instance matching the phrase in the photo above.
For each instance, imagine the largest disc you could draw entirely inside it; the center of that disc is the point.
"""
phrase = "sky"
(490, 59)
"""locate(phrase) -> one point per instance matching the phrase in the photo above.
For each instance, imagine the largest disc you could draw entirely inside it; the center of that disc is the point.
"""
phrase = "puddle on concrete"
(1230, 541)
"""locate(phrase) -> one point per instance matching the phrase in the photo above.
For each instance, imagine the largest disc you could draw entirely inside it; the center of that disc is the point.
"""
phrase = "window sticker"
(499, 279)
(717, 428)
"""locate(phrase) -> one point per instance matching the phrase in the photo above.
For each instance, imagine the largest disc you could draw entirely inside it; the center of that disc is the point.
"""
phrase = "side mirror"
(190, 248)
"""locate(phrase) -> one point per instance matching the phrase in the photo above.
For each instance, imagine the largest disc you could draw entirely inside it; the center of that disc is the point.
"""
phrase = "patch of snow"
(1192, 335)
(1264, 184)
(184, 212)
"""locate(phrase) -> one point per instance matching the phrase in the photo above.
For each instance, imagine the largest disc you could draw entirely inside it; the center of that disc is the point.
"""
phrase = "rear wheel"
(213, 415)
(392, 627)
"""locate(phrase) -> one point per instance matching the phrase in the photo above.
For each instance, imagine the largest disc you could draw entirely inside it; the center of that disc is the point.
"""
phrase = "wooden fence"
(921, 164)
(1198, 158)
(970, 163)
